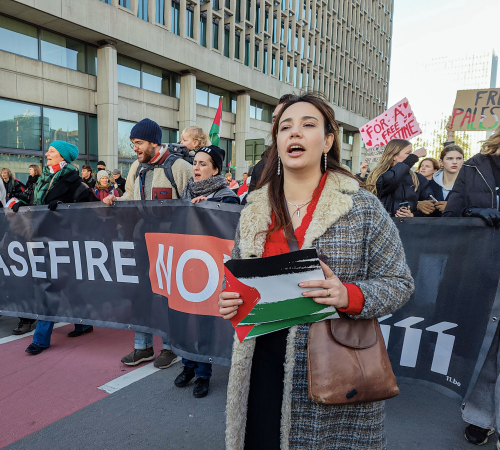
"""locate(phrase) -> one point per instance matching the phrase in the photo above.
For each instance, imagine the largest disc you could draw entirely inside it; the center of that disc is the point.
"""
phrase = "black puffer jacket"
(13, 188)
(28, 195)
(396, 186)
(475, 186)
(69, 189)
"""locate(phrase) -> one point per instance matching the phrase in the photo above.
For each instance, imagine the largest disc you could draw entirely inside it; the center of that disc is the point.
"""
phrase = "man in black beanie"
(147, 180)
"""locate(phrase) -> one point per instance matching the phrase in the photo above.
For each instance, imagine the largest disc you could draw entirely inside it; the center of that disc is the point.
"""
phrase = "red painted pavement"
(36, 391)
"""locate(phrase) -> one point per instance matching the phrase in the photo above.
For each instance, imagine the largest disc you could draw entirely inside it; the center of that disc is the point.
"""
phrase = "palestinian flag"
(215, 130)
(272, 298)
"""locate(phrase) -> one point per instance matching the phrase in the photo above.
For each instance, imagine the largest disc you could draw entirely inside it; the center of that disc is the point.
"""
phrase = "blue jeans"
(201, 370)
(142, 341)
(44, 331)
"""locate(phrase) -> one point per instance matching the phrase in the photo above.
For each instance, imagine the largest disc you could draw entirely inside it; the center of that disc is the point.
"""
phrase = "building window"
(203, 31)
(266, 21)
(247, 52)
(238, 11)
(249, 10)
(207, 95)
(24, 140)
(175, 18)
(280, 75)
(106, 1)
(215, 34)
(275, 24)
(62, 51)
(189, 21)
(18, 37)
(228, 146)
(237, 43)
(215, 5)
(273, 64)
(142, 11)
(264, 68)
(160, 12)
(289, 47)
(147, 77)
(294, 76)
(125, 3)
(256, 56)
(226, 41)
(261, 111)
(257, 18)
(288, 71)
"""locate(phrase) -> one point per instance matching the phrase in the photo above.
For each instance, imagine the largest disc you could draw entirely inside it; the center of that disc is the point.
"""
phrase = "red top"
(277, 245)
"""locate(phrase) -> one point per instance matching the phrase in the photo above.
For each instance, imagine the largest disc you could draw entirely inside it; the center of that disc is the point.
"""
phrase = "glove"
(490, 215)
(53, 204)
(16, 207)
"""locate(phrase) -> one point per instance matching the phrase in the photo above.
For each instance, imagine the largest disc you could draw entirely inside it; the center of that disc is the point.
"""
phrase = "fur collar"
(335, 202)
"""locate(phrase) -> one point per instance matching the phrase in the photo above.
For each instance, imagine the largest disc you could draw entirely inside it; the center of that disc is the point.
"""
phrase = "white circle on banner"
(213, 276)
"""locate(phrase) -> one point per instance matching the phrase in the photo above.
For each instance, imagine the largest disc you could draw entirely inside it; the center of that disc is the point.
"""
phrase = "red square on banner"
(188, 270)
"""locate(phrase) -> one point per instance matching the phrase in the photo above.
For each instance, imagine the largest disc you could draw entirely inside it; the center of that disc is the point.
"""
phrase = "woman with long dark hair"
(306, 194)
(398, 187)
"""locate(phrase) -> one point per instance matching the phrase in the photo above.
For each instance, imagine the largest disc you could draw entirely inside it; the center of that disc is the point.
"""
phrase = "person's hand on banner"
(421, 152)
(490, 215)
(15, 208)
(327, 292)
(440, 206)
(228, 304)
(426, 206)
(109, 199)
(404, 212)
(53, 204)
(199, 199)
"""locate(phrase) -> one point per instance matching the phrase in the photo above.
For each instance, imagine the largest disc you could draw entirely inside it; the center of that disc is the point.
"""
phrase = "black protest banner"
(158, 266)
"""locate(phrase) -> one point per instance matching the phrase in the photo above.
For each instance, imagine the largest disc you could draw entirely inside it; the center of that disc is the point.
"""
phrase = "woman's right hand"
(404, 212)
(228, 304)
(426, 206)
(421, 152)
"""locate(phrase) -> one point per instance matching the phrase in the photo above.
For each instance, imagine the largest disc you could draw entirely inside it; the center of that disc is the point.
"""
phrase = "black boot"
(477, 435)
(184, 377)
(24, 326)
(201, 387)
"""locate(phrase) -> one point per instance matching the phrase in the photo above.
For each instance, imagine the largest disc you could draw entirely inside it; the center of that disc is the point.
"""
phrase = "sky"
(427, 28)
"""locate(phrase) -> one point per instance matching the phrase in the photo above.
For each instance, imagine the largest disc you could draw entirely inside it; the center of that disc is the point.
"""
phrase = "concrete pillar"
(241, 132)
(107, 106)
(356, 153)
(187, 101)
(341, 136)
(151, 12)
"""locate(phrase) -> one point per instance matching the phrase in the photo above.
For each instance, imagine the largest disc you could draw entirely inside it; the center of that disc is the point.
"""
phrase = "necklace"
(299, 207)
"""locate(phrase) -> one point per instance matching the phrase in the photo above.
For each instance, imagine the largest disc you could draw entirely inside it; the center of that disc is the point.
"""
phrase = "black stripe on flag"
(288, 263)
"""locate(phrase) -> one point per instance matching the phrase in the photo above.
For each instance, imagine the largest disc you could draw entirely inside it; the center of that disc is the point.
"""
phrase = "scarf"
(144, 168)
(203, 188)
(49, 178)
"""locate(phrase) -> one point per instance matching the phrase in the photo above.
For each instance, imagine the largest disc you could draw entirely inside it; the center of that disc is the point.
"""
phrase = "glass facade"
(29, 41)
(209, 96)
(19, 165)
(261, 111)
(160, 12)
(24, 139)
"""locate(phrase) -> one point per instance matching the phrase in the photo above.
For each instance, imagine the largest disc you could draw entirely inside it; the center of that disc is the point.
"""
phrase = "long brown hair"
(386, 162)
(491, 146)
(275, 181)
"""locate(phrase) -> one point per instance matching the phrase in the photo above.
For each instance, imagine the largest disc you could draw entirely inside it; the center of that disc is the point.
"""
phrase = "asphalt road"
(153, 413)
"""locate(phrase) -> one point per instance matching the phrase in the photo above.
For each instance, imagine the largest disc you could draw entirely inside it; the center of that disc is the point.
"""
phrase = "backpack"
(176, 151)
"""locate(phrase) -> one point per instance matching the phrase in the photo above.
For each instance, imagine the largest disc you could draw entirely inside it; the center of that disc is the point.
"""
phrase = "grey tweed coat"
(352, 229)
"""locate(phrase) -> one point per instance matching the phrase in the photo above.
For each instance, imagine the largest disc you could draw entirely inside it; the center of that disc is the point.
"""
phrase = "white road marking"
(7, 339)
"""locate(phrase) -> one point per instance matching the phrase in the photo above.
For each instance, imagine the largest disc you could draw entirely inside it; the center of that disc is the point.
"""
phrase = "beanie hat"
(100, 174)
(68, 151)
(216, 153)
(147, 130)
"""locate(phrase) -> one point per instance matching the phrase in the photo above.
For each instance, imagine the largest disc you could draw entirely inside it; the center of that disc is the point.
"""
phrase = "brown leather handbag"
(347, 362)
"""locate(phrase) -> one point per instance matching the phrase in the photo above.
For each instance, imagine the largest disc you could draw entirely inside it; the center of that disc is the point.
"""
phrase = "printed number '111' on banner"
(398, 122)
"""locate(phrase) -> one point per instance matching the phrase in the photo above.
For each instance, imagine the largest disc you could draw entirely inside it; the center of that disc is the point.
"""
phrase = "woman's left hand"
(404, 212)
(331, 291)
(199, 199)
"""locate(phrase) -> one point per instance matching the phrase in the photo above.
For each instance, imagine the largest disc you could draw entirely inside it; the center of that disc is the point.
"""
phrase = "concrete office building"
(87, 70)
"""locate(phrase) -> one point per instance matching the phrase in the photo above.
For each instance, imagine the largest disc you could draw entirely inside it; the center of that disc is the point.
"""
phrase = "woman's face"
(53, 157)
(301, 138)
(31, 171)
(203, 167)
(402, 155)
(5, 176)
(452, 162)
(427, 169)
(104, 181)
(188, 141)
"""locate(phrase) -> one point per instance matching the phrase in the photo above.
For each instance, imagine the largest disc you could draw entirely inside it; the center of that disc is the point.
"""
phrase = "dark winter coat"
(13, 188)
(28, 195)
(120, 183)
(90, 182)
(474, 187)
(396, 186)
(66, 188)
(224, 195)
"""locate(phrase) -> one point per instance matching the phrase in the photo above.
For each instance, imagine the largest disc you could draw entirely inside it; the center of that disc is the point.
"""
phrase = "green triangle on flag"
(215, 130)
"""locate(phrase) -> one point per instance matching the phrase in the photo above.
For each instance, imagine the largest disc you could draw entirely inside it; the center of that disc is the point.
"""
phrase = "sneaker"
(165, 359)
(34, 349)
(184, 377)
(201, 387)
(138, 356)
(477, 435)
(23, 327)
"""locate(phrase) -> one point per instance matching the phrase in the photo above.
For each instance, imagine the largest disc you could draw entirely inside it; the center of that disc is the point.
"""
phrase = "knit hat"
(100, 174)
(116, 172)
(216, 153)
(68, 151)
(147, 130)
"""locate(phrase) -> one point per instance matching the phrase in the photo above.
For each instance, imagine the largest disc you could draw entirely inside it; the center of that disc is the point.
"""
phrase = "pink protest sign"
(398, 122)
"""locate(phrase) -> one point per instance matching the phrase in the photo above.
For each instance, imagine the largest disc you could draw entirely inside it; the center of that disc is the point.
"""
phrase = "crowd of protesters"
(192, 171)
